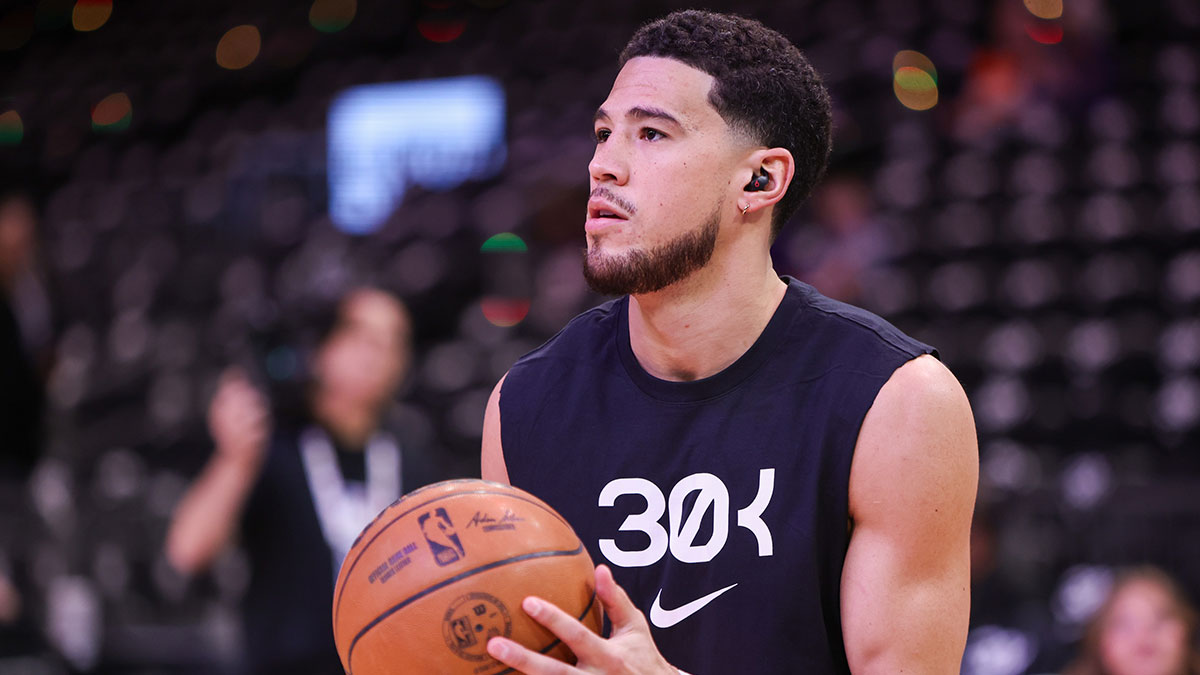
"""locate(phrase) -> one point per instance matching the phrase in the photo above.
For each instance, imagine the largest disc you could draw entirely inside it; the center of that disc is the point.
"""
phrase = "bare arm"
(492, 457)
(906, 580)
(208, 515)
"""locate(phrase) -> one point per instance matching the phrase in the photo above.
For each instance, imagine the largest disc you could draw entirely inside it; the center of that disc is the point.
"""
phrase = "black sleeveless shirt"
(720, 504)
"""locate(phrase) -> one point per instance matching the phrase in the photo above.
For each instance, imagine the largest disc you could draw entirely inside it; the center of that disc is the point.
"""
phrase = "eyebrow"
(640, 113)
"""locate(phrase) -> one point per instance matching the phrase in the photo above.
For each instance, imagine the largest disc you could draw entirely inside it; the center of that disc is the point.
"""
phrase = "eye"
(652, 134)
(602, 135)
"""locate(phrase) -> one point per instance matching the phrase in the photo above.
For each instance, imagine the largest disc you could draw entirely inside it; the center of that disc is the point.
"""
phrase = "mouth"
(601, 214)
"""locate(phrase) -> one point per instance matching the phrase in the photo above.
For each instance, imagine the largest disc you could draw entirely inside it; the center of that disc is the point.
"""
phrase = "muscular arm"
(492, 457)
(906, 580)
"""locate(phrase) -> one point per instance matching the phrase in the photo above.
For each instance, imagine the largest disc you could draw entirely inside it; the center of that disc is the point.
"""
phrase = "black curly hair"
(765, 88)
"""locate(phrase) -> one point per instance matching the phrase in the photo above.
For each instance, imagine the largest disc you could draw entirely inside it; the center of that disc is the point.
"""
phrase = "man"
(301, 493)
(780, 482)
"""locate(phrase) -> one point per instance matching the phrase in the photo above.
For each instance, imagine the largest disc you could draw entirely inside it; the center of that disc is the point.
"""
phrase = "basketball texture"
(445, 568)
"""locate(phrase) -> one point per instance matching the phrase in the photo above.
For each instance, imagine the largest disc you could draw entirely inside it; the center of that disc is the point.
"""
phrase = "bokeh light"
(330, 16)
(505, 241)
(505, 312)
(239, 47)
(1045, 9)
(915, 88)
(12, 129)
(914, 79)
(113, 113)
(1045, 32)
(506, 303)
(89, 15)
(908, 58)
(441, 30)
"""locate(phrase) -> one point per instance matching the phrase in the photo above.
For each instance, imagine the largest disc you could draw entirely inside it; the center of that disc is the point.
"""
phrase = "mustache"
(601, 191)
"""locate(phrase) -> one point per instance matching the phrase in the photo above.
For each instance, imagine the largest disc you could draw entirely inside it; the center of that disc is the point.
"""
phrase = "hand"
(239, 420)
(630, 650)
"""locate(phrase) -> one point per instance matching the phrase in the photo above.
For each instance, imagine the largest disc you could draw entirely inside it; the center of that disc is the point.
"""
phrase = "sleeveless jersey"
(720, 504)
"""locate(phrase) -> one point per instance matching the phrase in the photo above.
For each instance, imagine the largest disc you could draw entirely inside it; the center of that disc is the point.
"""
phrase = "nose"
(608, 164)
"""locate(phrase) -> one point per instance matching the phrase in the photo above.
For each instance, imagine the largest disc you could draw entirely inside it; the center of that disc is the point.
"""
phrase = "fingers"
(574, 634)
(238, 418)
(525, 660)
(621, 610)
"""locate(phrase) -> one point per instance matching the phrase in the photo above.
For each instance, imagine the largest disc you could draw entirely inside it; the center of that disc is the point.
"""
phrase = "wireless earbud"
(759, 182)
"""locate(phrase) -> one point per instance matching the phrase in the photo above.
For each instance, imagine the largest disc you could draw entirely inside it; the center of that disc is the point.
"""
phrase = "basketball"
(445, 568)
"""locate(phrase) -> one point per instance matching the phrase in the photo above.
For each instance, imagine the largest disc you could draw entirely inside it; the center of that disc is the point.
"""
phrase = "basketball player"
(781, 483)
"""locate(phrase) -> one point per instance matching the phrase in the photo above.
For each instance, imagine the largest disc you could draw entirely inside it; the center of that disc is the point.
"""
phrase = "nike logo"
(665, 618)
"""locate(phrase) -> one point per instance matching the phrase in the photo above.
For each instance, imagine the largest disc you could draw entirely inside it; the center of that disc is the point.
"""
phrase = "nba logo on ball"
(471, 621)
(433, 608)
(443, 540)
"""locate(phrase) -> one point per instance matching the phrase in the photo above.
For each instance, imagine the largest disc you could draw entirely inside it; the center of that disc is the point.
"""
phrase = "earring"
(745, 209)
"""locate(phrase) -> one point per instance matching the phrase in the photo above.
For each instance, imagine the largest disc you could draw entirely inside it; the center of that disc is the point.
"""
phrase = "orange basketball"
(445, 568)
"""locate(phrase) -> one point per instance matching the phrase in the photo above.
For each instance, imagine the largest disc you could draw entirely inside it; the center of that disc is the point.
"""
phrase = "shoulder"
(924, 391)
(917, 440)
(843, 327)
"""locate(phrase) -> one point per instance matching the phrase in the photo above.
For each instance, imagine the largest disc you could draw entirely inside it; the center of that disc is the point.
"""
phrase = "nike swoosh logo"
(665, 618)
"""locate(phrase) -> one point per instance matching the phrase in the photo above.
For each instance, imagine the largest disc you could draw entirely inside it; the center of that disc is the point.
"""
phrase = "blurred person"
(301, 490)
(848, 241)
(777, 482)
(1146, 626)
(24, 336)
(1066, 62)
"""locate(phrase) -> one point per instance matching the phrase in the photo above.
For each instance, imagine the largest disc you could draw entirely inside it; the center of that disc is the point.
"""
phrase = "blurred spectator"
(301, 490)
(24, 331)
(24, 335)
(1065, 60)
(1145, 627)
(848, 243)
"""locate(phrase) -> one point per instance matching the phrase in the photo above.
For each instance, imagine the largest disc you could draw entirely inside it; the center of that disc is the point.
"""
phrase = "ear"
(780, 166)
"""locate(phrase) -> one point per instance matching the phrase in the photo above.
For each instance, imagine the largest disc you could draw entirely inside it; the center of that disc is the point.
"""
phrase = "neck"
(698, 327)
(351, 423)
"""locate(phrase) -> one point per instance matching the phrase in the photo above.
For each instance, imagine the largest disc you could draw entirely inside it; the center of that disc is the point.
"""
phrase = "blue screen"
(385, 137)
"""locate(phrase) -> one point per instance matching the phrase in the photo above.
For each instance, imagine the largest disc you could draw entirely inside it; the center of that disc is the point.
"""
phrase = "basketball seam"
(337, 606)
(444, 583)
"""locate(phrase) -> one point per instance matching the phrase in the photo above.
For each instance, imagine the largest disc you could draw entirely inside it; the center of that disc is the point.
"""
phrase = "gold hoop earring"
(745, 209)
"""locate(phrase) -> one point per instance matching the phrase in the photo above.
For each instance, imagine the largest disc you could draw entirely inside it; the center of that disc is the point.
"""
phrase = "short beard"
(639, 272)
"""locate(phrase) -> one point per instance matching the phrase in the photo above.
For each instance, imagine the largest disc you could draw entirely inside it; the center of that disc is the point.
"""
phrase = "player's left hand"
(629, 650)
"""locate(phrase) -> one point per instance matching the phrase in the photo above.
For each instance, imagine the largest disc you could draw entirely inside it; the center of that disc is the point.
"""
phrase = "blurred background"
(189, 186)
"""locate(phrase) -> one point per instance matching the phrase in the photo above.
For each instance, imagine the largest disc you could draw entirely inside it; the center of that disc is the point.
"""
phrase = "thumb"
(620, 609)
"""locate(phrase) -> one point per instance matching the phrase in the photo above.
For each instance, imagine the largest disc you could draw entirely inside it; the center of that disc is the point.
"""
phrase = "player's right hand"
(239, 420)
(629, 650)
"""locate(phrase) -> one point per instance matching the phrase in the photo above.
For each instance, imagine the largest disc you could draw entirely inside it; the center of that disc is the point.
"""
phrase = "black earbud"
(759, 182)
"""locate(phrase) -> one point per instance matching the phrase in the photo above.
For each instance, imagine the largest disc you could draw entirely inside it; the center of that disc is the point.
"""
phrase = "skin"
(357, 369)
(1143, 633)
(905, 585)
